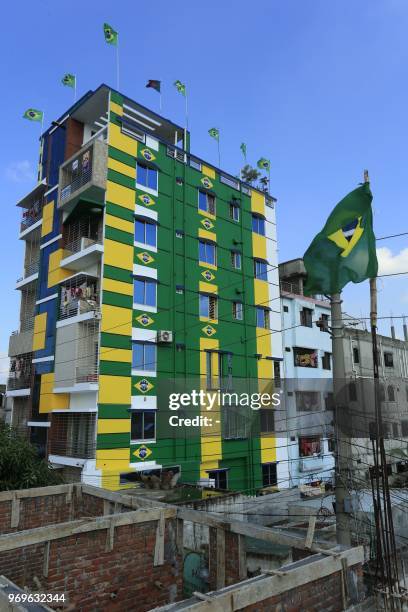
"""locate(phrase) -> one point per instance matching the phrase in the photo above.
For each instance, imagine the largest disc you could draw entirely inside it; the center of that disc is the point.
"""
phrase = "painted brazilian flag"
(344, 251)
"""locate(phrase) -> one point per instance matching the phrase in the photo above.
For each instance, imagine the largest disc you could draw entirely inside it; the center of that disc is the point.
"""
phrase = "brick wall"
(35, 512)
(22, 564)
(231, 559)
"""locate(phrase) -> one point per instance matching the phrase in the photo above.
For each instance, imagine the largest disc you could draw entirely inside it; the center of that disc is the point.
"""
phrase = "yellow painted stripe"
(108, 284)
(113, 426)
(47, 217)
(258, 203)
(206, 214)
(113, 459)
(261, 293)
(211, 442)
(51, 401)
(120, 224)
(40, 327)
(118, 166)
(207, 287)
(206, 235)
(207, 265)
(114, 389)
(120, 195)
(210, 172)
(116, 320)
(268, 449)
(121, 141)
(118, 254)
(116, 108)
(55, 273)
(115, 354)
(259, 246)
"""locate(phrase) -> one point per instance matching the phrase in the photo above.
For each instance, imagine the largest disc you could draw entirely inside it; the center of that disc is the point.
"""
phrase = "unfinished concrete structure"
(123, 551)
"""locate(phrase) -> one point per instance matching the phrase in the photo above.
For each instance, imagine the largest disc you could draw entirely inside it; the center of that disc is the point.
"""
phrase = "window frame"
(209, 297)
(145, 222)
(216, 478)
(236, 258)
(267, 467)
(266, 317)
(144, 345)
(146, 280)
(143, 438)
(237, 308)
(207, 243)
(210, 202)
(327, 361)
(258, 223)
(261, 275)
(148, 169)
(306, 317)
(234, 212)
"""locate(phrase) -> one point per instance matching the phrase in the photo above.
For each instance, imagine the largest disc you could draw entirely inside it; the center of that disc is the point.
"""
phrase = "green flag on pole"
(32, 114)
(243, 148)
(344, 251)
(214, 133)
(68, 80)
(181, 88)
(111, 36)
(264, 164)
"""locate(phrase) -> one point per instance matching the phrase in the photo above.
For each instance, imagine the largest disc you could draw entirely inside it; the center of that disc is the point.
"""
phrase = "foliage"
(249, 174)
(20, 465)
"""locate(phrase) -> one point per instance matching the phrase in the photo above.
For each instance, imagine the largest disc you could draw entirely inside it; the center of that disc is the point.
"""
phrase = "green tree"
(20, 465)
(249, 174)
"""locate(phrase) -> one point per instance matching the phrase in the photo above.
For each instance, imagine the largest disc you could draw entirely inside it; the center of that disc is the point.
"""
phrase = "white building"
(307, 370)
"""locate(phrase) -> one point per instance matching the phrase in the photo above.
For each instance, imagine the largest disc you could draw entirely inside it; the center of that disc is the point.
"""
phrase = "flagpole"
(75, 85)
(186, 128)
(160, 100)
(219, 154)
(117, 62)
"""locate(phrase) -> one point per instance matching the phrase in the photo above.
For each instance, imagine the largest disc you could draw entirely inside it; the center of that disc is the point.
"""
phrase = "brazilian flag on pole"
(111, 36)
(344, 251)
(214, 133)
(264, 164)
(32, 114)
(68, 80)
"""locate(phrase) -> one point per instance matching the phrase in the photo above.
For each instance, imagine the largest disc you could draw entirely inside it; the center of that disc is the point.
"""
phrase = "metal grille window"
(235, 422)
(73, 435)
(206, 202)
(236, 259)
(306, 317)
(32, 255)
(269, 475)
(260, 269)
(208, 306)
(207, 252)
(82, 233)
(144, 356)
(79, 294)
(146, 232)
(267, 420)
(143, 425)
(77, 174)
(86, 370)
(262, 317)
(32, 214)
(234, 211)
(20, 372)
(145, 291)
(237, 311)
(258, 225)
(146, 176)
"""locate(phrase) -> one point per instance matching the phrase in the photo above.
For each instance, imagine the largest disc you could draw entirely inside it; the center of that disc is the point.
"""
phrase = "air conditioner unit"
(164, 336)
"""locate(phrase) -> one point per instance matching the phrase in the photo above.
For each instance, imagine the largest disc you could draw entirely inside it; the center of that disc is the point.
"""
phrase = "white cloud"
(388, 263)
(20, 171)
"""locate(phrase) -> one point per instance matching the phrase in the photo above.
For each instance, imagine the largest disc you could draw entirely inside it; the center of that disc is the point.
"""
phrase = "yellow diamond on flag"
(205, 181)
(143, 385)
(146, 199)
(148, 155)
(145, 257)
(142, 452)
(209, 276)
(209, 330)
(144, 320)
(207, 224)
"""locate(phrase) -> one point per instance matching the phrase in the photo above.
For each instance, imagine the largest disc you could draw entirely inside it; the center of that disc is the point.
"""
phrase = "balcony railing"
(79, 307)
(82, 178)
(21, 340)
(73, 435)
(87, 373)
(19, 380)
(31, 215)
(80, 244)
(30, 268)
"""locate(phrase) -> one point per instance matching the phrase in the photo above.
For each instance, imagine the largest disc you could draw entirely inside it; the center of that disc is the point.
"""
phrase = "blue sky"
(318, 87)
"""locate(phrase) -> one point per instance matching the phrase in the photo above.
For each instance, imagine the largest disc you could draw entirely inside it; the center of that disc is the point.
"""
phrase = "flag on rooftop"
(264, 164)
(153, 84)
(68, 80)
(214, 133)
(181, 88)
(111, 36)
(243, 148)
(344, 250)
(32, 114)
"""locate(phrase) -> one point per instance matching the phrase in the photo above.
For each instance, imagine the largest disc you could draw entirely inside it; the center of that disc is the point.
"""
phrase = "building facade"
(143, 265)
(308, 385)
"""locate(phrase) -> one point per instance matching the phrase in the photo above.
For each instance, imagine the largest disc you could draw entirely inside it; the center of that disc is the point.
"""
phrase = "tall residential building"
(308, 387)
(144, 264)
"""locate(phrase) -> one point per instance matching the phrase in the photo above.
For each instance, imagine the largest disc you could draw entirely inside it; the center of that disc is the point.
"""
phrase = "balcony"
(19, 380)
(83, 175)
(31, 217)
(21, 340)
(77, 357)
(79, 296)
(72, 435)
(82, 238)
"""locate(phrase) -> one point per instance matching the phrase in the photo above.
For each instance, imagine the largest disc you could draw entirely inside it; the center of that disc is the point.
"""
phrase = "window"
(331, 444)
(195, 164)
(236, 260)
(146, 176)
(309, 446)
(143, 356)
(179, 234)
(267, 420)
(219, 370)
(220, 478)
(404, 429)
(144, 291)
(391, 393)
(258, 225)
(228, 180)
(206, 202)
(395, 430)
(237, 311)
(143, 425)
(306, 317)
(326, 361)
(269, 475)
(235, 422)
(352, 389)
(234, 211)
(305, 357)
(260, 269)
(356, 355)
(207, 252)
(146, 232)
(307, 401)
(276, 373)
(388, 360)
(262, 317)
(208, 306)
(286, 309)
(381, 392)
